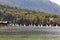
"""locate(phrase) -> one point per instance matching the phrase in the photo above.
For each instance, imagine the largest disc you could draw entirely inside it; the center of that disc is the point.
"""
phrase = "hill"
(25, 16)
(41, 5)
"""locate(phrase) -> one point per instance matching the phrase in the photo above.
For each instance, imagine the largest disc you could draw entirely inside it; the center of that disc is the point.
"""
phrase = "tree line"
(25, 16)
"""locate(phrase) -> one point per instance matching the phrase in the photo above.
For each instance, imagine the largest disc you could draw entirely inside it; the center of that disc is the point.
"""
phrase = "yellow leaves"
(1, 10)
(30, 17)
(57, 20)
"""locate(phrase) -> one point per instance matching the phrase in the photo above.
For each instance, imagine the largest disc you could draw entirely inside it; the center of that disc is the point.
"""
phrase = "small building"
(3, 23)
(51, 18)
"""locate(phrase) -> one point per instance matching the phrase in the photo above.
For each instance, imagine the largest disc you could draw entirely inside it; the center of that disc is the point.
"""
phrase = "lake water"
(30, 30)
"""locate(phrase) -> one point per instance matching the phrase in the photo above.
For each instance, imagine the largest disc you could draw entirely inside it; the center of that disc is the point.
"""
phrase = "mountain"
(41, 5)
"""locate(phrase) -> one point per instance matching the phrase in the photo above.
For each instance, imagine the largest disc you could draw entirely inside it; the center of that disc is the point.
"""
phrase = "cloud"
(56, 1)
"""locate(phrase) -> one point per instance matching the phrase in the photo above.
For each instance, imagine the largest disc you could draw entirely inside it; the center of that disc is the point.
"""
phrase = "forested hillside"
(25, 16)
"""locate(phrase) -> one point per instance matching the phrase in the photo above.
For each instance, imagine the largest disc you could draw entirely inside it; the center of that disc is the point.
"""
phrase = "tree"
(36, 21)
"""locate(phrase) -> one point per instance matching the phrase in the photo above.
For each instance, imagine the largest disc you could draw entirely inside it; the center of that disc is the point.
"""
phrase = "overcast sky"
(56, 1)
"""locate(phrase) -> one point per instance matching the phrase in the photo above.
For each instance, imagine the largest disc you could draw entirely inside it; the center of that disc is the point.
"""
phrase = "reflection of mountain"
(42, 5)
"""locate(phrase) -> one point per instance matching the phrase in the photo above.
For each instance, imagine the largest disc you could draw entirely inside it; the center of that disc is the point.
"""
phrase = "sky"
(56, 1)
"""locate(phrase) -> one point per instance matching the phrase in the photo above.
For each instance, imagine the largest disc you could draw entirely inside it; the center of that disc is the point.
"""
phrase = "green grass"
(28, 37)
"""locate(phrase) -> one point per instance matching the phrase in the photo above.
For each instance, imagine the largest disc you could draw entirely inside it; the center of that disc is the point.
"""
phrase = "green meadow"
(29, 37)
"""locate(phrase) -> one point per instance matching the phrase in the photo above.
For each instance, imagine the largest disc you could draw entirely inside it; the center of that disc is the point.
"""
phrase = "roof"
(3, 21)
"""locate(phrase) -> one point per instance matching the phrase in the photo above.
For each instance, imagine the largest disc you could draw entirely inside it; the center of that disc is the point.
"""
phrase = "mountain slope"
(41, 5)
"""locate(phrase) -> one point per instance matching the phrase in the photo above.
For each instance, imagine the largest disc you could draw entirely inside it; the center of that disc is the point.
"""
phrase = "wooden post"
(38, 25)
(20, 25)
(50, 26)
(29, 25)
(34, 25)
(13, 25)
(41, 25)
(56, 25)
(46, 25)
(24, 25)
